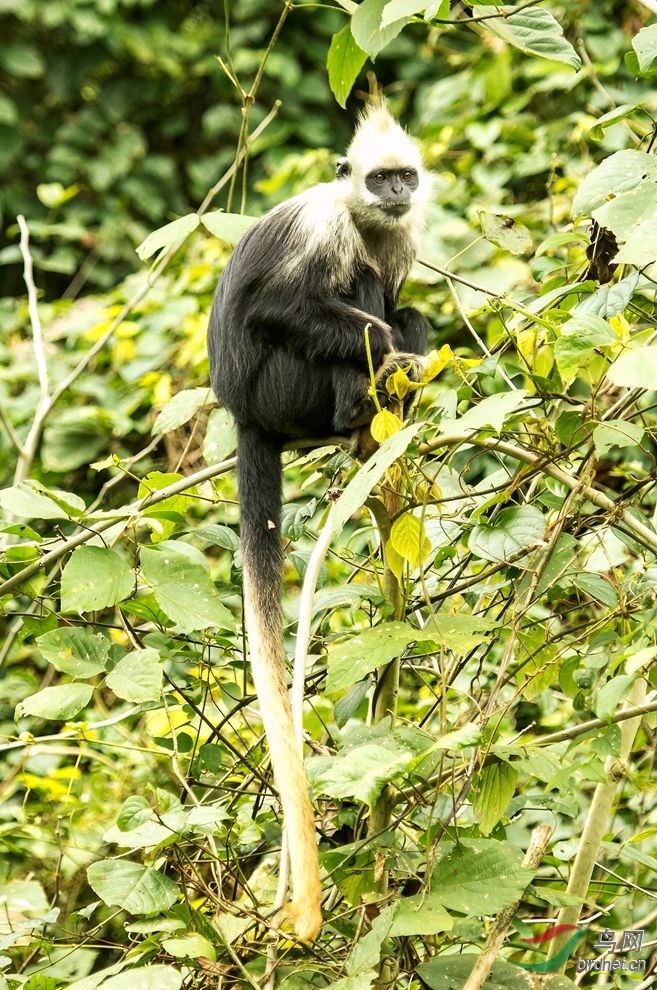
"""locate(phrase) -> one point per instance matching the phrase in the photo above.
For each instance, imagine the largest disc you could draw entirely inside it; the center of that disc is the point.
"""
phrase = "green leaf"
(421, 914)
(366, 27)
(168, 235)
(344, 62)
(24, 61)
(613, 117)
(645, 46)
(230, 227)
(580, 337)
(156, 977)
(597, 587)
(490, 412)
(75, 651)
(60, 703)
(360, 772)
(616, 433)
(512, 530)
(395, 9)
(353, 659)
(181, 408)
(506, 232)
(449, 972)
(184, 591)
(611, 694)
(220, 439)
(535, 31)
(135, 888)
(190, 946)
(631, 217)
(30, 500)
(137, 677)
(458, 632)
(479, 877)
(617, 174)
(495, 788)
(635, 369)
(95, 578)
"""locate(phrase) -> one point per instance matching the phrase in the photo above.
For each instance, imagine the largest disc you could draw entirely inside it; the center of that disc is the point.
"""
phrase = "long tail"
(259, 477)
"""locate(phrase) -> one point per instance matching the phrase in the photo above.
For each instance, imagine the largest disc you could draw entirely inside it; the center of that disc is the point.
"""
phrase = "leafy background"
(515, 576)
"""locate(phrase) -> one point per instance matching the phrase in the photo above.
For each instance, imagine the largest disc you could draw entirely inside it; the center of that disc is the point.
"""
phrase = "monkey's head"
(386, 183)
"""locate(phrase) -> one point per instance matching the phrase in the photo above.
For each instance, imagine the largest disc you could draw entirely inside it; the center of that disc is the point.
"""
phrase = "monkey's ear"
(342, 168)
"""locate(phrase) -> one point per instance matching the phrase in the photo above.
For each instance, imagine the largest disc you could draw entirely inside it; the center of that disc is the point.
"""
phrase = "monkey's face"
(393, 189)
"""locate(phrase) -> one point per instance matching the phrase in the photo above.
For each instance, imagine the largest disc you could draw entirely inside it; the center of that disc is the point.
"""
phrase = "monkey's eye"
(379, 178)
(408, 174)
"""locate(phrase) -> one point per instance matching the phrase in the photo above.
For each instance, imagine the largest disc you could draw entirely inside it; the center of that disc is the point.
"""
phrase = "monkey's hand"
(400, 375)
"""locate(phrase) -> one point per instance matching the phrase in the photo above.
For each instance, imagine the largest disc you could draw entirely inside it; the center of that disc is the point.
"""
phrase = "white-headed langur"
(288, 358)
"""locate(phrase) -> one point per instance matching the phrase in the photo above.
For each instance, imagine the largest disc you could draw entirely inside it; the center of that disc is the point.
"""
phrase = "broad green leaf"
(506, 232)
(168, 235)
(30, 500)
(344, 62)
(596, 586)
(135, 888)
(535, 31)
(409, 539)
(360, 772)
(616, 433)
(230, 227)
(615, 175)
(75, 436)
(74, 650)
(220, 436)
(613, 117)
(611, 694)
(490, 412)
(158, 977)
(190, 946)
(635, 369)
(449, 972)
(60, 703)
(353, 659)
(137, 677)
(163, 517)
(395, 9)
(181, 408)
(366, 27)
(645, 46)
(580, 337)
(458, 632)
(184, 591)
(369, 474)
(24, 61)
(511, 531)
(495, 788)
(95, 578)
(631, 217)
(421, 914)
(479, 876)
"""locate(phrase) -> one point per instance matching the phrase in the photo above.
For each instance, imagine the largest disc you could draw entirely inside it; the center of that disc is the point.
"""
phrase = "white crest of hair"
(339, 224)
(381, 142)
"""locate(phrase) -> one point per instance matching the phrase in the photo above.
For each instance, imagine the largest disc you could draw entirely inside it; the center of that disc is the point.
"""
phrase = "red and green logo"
(550, 965)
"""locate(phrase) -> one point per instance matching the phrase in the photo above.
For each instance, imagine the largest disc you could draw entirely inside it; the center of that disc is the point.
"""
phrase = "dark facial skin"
(394, 187)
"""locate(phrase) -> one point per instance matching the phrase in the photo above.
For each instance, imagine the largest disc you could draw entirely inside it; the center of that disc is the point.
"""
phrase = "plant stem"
(597, 822)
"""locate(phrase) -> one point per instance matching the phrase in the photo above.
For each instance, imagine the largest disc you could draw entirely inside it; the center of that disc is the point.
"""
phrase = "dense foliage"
(485, 619)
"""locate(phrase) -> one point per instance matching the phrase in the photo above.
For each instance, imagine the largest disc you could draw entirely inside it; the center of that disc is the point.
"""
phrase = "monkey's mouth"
(395, 209)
